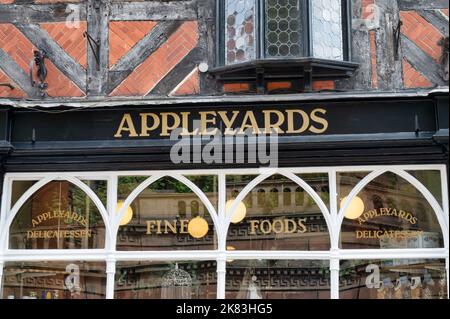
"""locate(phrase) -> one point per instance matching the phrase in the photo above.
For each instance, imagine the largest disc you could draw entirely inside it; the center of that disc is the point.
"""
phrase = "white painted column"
(110, 274)
(447, 263)
(334, 277)
(1, 279)
(221, 276)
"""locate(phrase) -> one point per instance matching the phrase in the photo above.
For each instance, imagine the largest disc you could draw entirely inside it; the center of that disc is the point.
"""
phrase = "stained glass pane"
(283, 28)
(240, 31)
(327, 29)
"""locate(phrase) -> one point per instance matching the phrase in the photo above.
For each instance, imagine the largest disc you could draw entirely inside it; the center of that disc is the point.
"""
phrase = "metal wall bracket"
(94, 45)
(39, 60)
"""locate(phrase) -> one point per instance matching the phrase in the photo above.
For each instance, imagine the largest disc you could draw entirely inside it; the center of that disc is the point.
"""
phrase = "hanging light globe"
(355, 209)
(127, 217)
(198, 227)
(239, 214)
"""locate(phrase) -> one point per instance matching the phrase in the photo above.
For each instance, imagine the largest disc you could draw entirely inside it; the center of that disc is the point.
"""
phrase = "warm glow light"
(230, 248)
(355, 209)
(198, 227)
(240, 213)
(127, 217)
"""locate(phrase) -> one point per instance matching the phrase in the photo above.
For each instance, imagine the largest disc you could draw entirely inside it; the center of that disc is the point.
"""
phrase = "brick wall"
(172, 68)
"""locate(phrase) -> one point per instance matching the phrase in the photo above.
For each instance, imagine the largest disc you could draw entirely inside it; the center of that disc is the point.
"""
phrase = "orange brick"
(6, 92)
(413, 78)
(146, 76)
(271, 86)
(190, 85)
(236, 87)
(373, 52)
(323, 85)
(421, 32)
(123, 36)
(367, 8)
(70, 39)
(6, 1)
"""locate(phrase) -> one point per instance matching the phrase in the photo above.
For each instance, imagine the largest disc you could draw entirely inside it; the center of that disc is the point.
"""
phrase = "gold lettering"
(150, 225)
(278, 226)
(253, 226)
(145, 130)
(249, 117)
(290, 227)
(229, 122)
(126, 125)
(172, 227)
(204, 120)
(301, 224)
(166, 128)
(291, 122)
(266, 230)
(319, 120)
(268, 121)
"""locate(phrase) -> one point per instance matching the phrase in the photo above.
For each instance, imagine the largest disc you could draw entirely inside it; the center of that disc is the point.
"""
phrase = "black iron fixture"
(39, 60)
(397, 39)
(94, 45)
(281, 40)
(8, 85)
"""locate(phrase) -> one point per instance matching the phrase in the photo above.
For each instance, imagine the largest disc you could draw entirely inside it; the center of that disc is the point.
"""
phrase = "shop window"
(318, 182)
(299, 196)
(18, 189)
(54, 280)
(377, 202)
(283, 40)
(208, 184)
(287, 197)
(273, 198)
(393, 279)
(59, 215)
(182, 209)
(278, 227)
(431, 179)
(261, 197)
(194, 208)
(262, 279)
(154, 223)
(395, 226)
(166, 280)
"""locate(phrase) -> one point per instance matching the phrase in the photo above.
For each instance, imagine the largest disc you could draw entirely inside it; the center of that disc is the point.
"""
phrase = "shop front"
(338, 196)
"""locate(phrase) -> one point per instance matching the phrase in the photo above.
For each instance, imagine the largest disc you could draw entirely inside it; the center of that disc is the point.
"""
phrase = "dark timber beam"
(422, 61)
(422, 4)
(437, 19)
(389, 61)
(154, 10)
(98, 55)
(141, 51)
(16, 73)
(31, 13)
(63, 61)
(179, 73)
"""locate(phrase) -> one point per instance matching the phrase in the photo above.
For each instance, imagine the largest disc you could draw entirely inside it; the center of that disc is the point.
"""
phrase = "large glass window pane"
(393, 279)
(388, 213)
(277, 279)
(432, 181)
(18, 189)
(275, 223)
(163, 280)
(283, 28)
(54, 280)
(58, 216)
(327, 29)
(167, 215)
(240, 43)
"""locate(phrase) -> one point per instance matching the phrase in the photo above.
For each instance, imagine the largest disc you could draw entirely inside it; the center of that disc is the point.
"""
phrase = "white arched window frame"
(333, 215)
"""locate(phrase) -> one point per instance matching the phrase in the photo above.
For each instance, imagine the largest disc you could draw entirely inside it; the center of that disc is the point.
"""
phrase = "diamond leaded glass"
(240, 31)
(327, 29)
(283, 26)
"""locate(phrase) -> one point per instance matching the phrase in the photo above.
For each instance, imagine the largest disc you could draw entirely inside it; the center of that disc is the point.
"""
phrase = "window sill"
(285, 69)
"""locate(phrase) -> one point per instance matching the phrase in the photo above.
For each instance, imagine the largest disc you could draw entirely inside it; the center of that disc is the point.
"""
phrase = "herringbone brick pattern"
(6, 92)
(124, 35)
(413, 78)
(16, 45)
(190, 85)
(6, 1)
(423, 33)
(70, 39)
(161, 62)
